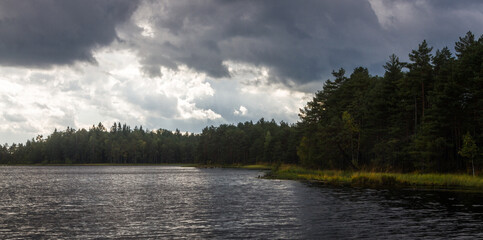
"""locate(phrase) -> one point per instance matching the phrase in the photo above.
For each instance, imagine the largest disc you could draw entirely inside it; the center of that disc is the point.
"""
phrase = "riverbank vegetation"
(377, 179)
(422, 116)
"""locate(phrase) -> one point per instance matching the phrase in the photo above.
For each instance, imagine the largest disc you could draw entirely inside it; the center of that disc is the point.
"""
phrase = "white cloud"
(189, 110)
(37, 101)
(249, 95)
(241, 111)
(173, 95)
(116, 90)
(31, 106)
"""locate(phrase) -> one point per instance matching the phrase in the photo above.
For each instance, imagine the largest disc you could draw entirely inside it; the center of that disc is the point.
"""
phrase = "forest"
(424, 115)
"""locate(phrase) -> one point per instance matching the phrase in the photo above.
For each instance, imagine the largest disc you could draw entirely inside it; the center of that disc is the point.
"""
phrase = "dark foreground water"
(176, 202)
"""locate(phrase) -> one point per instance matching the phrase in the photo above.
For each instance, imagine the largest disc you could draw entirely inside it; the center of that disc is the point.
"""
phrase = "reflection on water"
(173, 202)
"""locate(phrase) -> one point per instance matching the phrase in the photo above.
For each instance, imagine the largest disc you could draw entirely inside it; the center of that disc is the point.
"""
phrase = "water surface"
(87, 202)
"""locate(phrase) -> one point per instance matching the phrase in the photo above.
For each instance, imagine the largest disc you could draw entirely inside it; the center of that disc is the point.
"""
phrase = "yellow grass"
(377, 178)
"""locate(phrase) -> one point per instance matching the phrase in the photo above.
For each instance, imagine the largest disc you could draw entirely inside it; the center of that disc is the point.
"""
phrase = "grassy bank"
(377, 179)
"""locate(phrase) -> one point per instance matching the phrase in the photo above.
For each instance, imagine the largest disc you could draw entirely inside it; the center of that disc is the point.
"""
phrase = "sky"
(188, 64)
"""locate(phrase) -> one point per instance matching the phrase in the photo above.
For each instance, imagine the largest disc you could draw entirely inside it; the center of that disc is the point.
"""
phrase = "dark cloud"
(294, 39)
(46, 32)
(300, 41)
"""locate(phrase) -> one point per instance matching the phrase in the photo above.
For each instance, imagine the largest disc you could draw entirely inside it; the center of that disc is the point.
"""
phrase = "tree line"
(246, 143)
(423, 115)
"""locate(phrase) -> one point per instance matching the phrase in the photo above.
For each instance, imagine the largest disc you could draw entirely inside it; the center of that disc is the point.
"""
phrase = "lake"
(87, 202)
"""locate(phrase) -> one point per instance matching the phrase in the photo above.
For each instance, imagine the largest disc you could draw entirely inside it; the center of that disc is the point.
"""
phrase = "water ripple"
(175, 202)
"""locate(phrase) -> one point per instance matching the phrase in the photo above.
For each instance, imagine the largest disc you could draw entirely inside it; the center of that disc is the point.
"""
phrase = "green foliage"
(405, 121)
(121, 145)
(469, 150)
(248, 143)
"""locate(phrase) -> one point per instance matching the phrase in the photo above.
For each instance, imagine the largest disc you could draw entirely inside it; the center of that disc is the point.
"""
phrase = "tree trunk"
(473, 166)
(422, 102)
(415, 114)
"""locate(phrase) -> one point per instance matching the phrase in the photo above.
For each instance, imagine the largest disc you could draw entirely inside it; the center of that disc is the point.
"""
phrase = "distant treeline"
(227, 144)
(424, 115)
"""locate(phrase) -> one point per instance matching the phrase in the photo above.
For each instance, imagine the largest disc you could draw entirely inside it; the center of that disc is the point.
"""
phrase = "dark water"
(176, 202)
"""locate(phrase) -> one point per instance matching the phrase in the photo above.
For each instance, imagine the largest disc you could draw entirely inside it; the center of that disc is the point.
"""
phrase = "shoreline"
(107, 164)
(431, 181)
(366, 179)
(261, 166)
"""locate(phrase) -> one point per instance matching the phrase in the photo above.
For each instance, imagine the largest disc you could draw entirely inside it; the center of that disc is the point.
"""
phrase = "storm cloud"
(299, 41)
(47, 32)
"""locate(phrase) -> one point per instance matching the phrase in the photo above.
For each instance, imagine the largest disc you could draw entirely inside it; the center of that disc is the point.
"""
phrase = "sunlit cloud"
(241, 111)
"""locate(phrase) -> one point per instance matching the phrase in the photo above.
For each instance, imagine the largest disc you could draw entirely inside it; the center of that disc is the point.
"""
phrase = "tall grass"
(294, 172)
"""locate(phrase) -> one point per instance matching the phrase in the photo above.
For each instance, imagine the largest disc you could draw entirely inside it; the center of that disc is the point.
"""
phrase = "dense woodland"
(424, 115)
